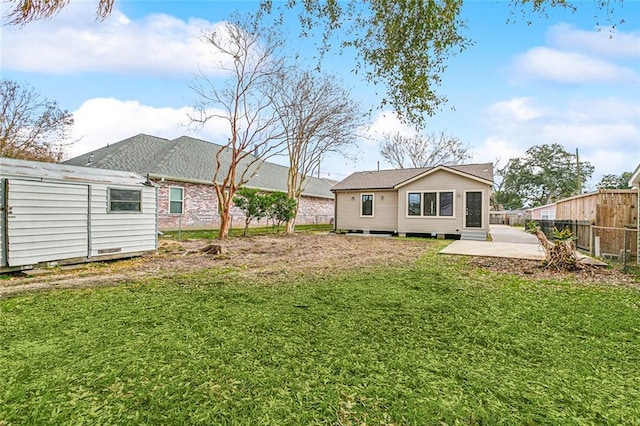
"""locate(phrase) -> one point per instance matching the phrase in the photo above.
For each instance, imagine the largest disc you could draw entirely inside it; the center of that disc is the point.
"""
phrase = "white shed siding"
(54, 212)
(441, 181)
(46, 221)
(384, 217)
(122, 232)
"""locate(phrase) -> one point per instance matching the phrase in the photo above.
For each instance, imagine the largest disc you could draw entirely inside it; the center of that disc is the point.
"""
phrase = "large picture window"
(430, 204)
(176, 200)
(366, 208)
(125, 200)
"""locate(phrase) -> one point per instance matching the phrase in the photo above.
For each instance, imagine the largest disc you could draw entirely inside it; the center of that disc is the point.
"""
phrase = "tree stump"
(559, 254)
(213, 249)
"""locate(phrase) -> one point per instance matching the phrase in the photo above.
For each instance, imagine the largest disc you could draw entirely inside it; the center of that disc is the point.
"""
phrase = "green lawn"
(432, 342)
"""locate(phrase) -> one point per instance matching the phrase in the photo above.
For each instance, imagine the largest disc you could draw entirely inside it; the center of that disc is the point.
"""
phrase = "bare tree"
(251, 63)
(423, 150)
(31, 128)
(318, 117)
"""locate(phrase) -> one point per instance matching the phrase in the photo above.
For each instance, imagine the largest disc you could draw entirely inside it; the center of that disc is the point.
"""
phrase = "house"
(183, 170)
(635, 184)
(443, 201)
(56, 214)
(546, 212)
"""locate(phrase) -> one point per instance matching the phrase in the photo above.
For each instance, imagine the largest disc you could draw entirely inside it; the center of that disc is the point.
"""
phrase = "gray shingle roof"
(186, 159)
(391, 179)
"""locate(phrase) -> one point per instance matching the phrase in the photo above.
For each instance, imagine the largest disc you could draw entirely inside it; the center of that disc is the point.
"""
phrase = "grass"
(236, 232)
(433, 342)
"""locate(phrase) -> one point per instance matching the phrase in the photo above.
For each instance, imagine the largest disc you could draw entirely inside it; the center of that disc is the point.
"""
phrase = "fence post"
(624, 250)
(592, 248)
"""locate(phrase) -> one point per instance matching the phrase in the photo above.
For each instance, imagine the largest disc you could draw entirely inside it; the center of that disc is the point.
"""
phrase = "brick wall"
(200, 209)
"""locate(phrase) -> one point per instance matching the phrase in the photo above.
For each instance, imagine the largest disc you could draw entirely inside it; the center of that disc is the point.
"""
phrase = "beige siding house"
(635, 184)
(443, 201)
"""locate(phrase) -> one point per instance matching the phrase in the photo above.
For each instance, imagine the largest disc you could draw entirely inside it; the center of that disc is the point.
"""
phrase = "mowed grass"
(434, 342)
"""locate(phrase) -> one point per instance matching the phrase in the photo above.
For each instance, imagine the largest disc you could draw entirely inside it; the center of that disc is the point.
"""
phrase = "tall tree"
(401, 44)
(426, 150)
(318, 117)
(612, 181)
(31, 127)
(544, 175)
(251, 62)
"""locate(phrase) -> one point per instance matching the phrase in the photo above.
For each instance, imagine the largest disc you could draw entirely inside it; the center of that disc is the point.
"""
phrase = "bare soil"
(265, 258)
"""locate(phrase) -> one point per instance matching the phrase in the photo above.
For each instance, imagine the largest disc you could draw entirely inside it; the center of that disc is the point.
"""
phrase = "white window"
(124, 200)
(366, 205)
(176, 200)
(430, 204)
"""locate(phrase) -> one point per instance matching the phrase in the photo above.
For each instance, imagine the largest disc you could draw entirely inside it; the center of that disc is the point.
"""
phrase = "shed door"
(473, 213)
(46, 221)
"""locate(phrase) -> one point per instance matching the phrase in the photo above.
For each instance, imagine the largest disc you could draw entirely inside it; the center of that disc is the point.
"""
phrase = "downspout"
(335, 212)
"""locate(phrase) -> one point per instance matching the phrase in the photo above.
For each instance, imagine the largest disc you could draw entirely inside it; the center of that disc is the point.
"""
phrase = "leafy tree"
(545, 174)
(252, 203)
(318, 117)
(612, 181)
(251, 63)
(401, 44)
(31, 128)
(423, 150)
(281, 208)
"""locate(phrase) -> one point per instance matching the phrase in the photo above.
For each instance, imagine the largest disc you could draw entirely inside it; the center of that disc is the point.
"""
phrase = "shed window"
(176, 200)
(367, 205)
(430, 204)
(125, 200)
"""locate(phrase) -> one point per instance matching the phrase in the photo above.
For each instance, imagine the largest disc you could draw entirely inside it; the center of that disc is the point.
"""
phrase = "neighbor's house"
(56, 214)
(635, 184)
(443, 201)
(183, 169)
(546, 212)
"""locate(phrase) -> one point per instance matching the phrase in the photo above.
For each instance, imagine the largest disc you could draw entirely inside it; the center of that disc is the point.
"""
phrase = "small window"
(367, 205)
(414, 204)
(446, 204)
(176, 200)
(430, 200)
(125, 200)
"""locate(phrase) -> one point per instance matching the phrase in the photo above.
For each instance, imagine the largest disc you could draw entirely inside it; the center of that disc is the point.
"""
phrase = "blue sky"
(560, 79)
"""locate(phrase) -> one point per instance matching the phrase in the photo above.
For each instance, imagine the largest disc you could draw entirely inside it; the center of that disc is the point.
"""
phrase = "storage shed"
(57, 214)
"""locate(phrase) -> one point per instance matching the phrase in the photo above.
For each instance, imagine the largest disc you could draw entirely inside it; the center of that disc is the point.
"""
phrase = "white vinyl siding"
(46, 221)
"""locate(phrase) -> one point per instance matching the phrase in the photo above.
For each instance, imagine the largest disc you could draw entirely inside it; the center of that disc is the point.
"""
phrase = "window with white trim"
(124, 200)
(430, 204)
(366, 205)
(176, 200)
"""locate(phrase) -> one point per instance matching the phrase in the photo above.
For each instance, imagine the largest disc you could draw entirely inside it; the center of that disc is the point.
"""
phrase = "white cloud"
(605, 130)
(387, 122)
(73, 43)
(103, 121)
(543, 63)
(606, 41)
(497, 149)
(516, 109)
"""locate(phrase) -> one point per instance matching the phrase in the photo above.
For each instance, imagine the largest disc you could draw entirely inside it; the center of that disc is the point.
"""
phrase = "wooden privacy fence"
(601, 241)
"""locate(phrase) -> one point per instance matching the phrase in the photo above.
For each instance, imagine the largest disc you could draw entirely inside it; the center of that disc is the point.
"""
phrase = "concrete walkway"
(506, 242)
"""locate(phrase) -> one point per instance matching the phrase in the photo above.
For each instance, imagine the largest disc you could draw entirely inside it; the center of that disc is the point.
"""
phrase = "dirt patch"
(265, 258)
(256, 258)
(535, 269)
